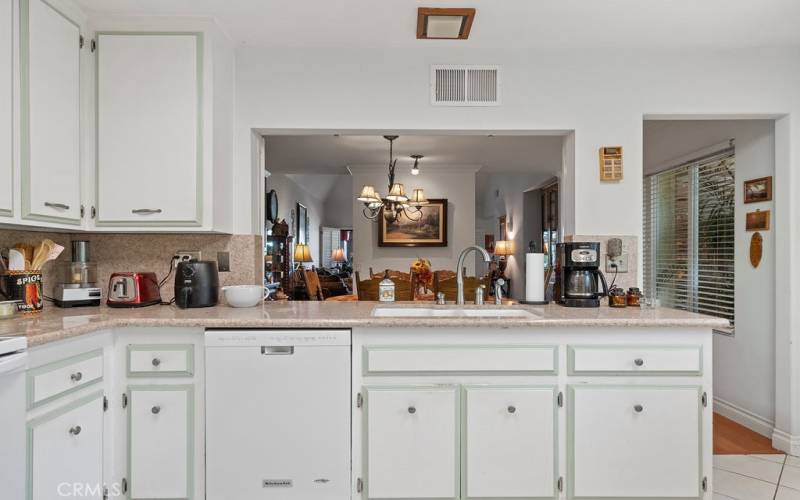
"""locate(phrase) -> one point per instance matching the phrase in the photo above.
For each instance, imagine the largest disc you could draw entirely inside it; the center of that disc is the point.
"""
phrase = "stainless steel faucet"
(460, 270)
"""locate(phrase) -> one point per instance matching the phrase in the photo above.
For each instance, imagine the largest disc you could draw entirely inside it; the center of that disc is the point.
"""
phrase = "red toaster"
(133, 290)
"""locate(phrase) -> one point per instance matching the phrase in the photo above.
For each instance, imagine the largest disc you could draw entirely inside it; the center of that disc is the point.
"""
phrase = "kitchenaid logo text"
(86, 490)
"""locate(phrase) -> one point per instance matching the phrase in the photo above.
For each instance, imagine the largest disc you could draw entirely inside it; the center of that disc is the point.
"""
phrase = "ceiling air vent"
(459, 85)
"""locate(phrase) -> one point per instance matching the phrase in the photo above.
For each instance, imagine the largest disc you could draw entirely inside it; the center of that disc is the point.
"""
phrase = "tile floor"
(756, 477)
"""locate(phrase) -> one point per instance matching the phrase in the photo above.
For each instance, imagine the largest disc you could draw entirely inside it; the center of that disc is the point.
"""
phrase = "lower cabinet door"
(65, 451)
(412, 442)
(160, 441)
(509, 445)
(635, 442)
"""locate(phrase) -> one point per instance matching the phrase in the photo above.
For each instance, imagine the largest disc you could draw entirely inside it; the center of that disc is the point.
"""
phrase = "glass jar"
(616, 298)
(634, 297)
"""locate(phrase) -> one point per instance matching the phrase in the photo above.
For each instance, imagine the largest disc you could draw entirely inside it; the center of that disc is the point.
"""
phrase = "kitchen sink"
(451, 312)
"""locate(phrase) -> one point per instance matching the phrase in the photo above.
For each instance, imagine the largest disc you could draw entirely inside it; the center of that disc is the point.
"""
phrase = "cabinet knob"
(156, 362)
(76, 377)
(638, 408)
(638, 362)
(75, 430)
(412, 410)
(512, 409)
(155, 410)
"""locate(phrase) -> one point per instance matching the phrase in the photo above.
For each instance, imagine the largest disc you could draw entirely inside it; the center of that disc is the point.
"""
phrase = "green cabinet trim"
(55, 365)
(463, 400)
(25, 140)
(571, 433)
(188, 348)
(12, 41)
(32, 424)
(571, 371)
(405, 347)
(189, 389)
(198, 221)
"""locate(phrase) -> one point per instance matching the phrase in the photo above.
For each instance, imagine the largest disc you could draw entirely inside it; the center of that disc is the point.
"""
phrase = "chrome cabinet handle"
(277, 350)
(412, 410)
(76, 377)
(512, 409)
(146, 211)
(75, 430)
(156, 362)
(638, 362)
(59, 206)
(155, 410)
(638, 408)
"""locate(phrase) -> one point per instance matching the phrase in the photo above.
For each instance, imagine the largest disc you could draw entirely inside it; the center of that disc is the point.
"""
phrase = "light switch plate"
(224, 262)
(621, 261)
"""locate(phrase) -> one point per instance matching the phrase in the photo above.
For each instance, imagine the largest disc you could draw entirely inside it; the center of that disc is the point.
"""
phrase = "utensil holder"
(26, 287)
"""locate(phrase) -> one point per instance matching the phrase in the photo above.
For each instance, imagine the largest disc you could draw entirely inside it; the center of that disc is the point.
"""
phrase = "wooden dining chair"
(400, 275)
(449, 287)
(313, 286)
(368, 289)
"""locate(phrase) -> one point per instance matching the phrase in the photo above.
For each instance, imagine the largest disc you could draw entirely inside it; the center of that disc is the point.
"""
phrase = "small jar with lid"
(616, 297)
(634, 297)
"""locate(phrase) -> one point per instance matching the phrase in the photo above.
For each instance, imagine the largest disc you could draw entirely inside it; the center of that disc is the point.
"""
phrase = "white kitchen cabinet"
(50, 105)
(412, 442)
(149, 134)
(65, 455)
(160, 441)
(6, 108)
(509, 442)
(635, 442)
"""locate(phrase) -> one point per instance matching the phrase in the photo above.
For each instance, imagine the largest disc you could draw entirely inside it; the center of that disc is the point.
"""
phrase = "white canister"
(386, 289)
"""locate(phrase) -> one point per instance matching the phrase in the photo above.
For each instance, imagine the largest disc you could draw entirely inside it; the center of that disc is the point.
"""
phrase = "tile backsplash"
(114, 252)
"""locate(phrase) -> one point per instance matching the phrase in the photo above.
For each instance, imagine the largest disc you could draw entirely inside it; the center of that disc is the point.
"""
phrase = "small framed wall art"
(757, 190)
(758, 220)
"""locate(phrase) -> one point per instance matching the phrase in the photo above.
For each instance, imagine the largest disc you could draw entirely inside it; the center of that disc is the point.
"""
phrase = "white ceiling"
(498, 23)
(329, 154)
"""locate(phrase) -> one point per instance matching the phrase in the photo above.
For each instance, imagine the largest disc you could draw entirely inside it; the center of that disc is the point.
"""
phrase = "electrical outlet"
(224, 262)
(621, 262)
(183, 255)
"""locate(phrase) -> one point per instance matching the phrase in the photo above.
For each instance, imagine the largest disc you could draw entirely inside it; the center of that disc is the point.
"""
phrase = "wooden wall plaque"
(756, 249)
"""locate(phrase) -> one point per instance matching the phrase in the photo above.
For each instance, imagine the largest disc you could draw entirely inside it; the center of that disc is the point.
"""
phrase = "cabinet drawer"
(50, 381)
(160, 360)
(459, 359)
(635, 360)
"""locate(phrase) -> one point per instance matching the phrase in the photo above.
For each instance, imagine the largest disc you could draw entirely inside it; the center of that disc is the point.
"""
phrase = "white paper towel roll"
(534, 277)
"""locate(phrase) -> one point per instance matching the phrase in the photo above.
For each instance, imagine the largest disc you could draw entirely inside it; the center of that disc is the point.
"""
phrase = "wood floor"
(731, 438)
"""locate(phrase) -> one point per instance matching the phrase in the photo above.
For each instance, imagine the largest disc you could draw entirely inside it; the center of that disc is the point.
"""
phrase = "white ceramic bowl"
(243, 295)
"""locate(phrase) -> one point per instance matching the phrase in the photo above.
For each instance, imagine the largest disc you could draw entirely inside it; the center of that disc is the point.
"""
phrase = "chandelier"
(396, 203)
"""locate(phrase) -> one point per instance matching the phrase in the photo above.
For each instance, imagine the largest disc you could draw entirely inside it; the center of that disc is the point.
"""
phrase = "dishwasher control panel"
(284, 337)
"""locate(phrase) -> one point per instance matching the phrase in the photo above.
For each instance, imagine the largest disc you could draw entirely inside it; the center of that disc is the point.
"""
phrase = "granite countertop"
(56, 324)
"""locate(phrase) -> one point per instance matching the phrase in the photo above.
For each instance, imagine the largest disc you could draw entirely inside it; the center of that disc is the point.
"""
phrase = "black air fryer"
(196, 284)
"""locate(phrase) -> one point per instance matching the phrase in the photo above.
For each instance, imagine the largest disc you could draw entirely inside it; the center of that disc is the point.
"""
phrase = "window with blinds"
(689, 235)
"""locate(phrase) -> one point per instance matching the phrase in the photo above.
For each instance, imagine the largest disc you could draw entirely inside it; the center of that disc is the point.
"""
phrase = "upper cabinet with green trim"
(6, 107)
(149, 129)
(50, 114)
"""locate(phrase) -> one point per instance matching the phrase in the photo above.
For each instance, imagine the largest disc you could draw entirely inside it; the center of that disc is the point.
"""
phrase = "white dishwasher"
(277, 414)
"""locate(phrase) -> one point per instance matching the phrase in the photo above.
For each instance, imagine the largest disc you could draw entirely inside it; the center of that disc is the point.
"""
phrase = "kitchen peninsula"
(390, 402)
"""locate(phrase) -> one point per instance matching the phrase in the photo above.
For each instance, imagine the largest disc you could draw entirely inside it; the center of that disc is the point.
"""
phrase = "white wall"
(504, 194)
(289, 194)
(338, 204)
(744, 374)
(455, 183)
(602, 95)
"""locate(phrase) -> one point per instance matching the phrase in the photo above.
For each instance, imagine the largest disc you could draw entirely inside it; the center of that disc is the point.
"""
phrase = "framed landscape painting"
(429, 231)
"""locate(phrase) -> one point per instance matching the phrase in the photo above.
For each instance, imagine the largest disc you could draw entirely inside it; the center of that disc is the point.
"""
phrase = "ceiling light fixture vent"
(465, 85)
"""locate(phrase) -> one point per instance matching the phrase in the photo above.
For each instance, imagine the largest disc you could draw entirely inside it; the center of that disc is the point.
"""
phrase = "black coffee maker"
(578, 275)
(196, 284)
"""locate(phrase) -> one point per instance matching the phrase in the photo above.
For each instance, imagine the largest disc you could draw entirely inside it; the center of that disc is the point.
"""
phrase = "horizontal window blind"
(689, 235)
